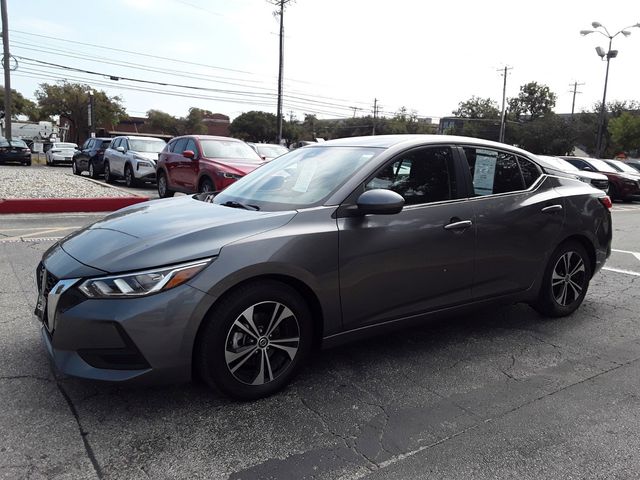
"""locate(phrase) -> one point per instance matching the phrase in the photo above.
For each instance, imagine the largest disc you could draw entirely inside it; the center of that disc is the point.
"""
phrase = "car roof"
(388, 141)
(210, 137)
(137, 137)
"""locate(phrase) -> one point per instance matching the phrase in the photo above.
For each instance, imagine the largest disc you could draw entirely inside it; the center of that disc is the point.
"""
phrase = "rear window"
(14, 143)
(105, 144)
(66, 145)
(228, 149)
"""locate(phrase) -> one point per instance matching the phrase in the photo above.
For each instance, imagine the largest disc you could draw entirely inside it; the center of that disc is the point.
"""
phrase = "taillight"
(606, 201)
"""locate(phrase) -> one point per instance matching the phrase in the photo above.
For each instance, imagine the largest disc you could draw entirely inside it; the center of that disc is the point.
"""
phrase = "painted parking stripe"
(635, 254)
(35, 240)
(619, 270)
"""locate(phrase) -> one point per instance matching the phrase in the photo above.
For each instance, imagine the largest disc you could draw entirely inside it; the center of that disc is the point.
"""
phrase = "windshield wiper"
(232, 204)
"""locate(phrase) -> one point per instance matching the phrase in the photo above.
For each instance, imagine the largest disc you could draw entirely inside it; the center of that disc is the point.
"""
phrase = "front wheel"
(74, 168)
(107, 173)
(92, 171)
(206, 185)
(565, 282)
(255, 340)
(163, 186)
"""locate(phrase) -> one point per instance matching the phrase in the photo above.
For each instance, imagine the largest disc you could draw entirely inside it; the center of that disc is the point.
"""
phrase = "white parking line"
(34, 240)
(635, 254)
(37, 232)
(619, 270)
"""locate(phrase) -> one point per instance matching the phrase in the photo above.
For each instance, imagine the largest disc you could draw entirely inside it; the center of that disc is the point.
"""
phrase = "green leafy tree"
(477, 107)
(164, 122)
(534, 101)
(193, 122)
(21, 106)
(548, 135)
(625, 131)
(254, 126)
(71, 100)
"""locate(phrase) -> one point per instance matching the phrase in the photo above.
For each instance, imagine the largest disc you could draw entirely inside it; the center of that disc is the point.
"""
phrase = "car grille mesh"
(601, 184)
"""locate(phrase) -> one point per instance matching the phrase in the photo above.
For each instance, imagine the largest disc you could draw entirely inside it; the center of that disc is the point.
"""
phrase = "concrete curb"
(108, 185)
(65, 205)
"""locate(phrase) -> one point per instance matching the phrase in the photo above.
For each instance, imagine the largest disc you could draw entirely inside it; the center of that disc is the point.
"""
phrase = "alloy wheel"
(162, 186)
(92, 173)
(262, 342)
(128, 177)
(74, 168)
(568, 278)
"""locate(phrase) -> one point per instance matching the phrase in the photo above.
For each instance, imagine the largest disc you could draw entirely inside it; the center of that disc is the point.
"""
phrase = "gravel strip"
(50, 182)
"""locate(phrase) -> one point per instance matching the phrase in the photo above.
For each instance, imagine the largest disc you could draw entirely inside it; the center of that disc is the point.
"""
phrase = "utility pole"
(503, 119)
(291, 116)
(355, 110)
(92, 115)
(7, 70)
(280, 71)
(375, 115)
(575, 91)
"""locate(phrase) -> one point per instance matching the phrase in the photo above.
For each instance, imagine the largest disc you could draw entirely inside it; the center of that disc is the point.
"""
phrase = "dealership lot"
(501, 393)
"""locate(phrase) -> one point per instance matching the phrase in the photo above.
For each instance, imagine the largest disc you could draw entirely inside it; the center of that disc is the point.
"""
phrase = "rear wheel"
(129, 178)
(255, 340)
(107, 173)
(206, 185)
(565, 282)
(27, 163)
(92, 171)
(163, 186)
(74, 168)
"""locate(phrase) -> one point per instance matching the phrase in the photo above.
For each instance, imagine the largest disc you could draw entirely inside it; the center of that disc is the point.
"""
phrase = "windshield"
(559, 164)
(148, 146)
(302, 178)
(622, 167)
(602, 166)
(271, 151)
(228, 149)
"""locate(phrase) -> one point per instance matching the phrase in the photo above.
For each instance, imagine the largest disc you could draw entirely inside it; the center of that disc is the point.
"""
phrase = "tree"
(548, 135)
(193, 123)
(71, 100)
(20, 105)
(625, 131)
(254, 126)
(164, 122)
(477, 107)
(534, 100)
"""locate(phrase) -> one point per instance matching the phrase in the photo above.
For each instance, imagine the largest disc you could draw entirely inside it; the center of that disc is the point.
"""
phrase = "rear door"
(81, 157)
(419, 260)
(519, 218)
(176, 162)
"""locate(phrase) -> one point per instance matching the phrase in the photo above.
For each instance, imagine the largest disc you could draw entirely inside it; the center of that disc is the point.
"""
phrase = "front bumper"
(145, 174)
(146, 339)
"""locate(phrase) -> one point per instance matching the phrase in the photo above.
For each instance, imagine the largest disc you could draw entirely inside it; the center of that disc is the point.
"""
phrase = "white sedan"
(60, 153)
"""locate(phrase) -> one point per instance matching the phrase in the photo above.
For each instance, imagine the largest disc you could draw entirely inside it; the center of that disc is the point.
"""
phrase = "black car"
(90, 157)
(14, 151)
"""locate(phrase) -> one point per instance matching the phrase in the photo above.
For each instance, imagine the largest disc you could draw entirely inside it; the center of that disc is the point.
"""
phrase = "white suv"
(132, 158)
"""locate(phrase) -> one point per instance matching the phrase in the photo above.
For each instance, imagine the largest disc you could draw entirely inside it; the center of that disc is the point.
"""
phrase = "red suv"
(203, 163)
(622, 186)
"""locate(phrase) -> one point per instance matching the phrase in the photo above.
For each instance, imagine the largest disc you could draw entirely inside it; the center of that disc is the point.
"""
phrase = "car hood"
(239, 165)
(591, 175)
(163, 232)
(148, 155)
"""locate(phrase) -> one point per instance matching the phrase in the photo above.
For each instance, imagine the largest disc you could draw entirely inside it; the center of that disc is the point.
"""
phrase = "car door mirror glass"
(380, 202)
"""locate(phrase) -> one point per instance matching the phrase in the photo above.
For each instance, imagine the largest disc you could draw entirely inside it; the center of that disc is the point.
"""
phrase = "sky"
(340, 55)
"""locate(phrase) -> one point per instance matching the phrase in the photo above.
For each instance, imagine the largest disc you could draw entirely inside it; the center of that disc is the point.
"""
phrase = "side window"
(85, 145)
(170, 145)
(115, 143)
(191, 145)
(90, 143)
(493, 172)
(530, 171)
(420, 176)
(124, 143)
(577, 163)
(180, 145)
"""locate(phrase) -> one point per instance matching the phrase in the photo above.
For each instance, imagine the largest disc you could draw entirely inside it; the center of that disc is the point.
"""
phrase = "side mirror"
(588, 169)
(189, 154)
(120, 149)
(380, 202)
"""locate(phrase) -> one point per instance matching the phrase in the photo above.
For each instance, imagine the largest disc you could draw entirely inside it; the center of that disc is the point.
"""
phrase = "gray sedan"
(325, 244)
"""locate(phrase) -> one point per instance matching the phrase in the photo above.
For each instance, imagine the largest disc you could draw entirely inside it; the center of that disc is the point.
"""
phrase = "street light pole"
(6, 57)
(602, 30)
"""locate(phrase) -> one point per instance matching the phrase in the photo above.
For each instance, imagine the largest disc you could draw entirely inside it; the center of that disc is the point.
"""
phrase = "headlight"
(142, 283)
(229, 175)
(629, 182)
(144, 164)
(585, 179)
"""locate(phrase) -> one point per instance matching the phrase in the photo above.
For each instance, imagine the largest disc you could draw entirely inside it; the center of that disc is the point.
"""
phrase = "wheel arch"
(588, 246)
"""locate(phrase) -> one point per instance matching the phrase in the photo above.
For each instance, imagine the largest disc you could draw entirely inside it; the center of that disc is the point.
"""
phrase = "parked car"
(268, 151)
(623, 167)
(203, 163)
(622, 186)
(132, 158)
(634, 163)
(60, 153)
(90, 157)
(598, 180)
(325, 244)
(14, 150)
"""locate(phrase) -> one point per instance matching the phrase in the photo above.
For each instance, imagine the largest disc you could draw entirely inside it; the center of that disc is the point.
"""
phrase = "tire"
(74, 168)
(47, 161)
(27, 163)
(560, 294)
(92, 171)
(613, 192)
(238, 356)
(129, 178)
(163, 186)
(108, 178)
(206, 185)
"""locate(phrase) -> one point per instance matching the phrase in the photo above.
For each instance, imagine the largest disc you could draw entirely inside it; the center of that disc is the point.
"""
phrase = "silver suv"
(132, 158)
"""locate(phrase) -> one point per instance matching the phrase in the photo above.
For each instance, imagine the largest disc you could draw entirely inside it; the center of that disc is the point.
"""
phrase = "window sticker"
(307, 171)
(484, 172)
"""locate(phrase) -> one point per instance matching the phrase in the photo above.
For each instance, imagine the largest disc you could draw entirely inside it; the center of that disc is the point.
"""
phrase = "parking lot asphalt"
(501, 393)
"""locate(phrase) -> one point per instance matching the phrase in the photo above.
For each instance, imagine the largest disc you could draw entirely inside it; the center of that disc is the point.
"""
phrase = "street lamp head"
(600, 51)
(596, 24)
(625, 33)
(585, 32)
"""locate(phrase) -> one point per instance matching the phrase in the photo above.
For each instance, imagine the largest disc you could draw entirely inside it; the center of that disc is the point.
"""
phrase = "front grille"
(601, 184)
(51, 282)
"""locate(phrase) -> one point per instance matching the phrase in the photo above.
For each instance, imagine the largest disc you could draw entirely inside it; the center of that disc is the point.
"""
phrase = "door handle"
(551, 209)
(460, 225)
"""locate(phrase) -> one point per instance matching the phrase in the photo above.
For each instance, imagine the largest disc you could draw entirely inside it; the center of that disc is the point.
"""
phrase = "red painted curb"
(62, 205)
